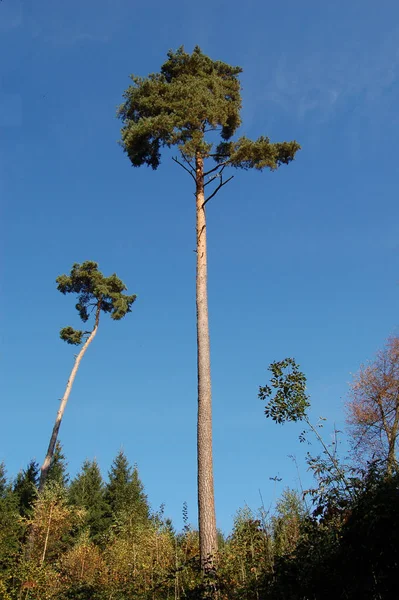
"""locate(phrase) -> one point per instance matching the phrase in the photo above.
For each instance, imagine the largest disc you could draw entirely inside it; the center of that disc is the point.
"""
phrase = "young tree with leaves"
(248, 552)
(52, 519)
(190, 100)
(373, 408)
(287, 401)
(286, 522)
(96, 294)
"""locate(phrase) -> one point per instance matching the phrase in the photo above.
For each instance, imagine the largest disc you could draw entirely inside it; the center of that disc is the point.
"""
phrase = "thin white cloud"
(66, 24)
(316, 85)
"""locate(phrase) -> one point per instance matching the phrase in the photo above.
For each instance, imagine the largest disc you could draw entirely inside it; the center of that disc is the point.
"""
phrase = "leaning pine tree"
(96, 294)
(191, 97)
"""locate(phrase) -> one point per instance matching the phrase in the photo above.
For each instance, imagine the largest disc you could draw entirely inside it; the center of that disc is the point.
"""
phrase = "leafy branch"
(287, 401)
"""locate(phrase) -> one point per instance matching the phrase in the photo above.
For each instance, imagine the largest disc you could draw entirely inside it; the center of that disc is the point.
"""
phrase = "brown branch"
(213, 129)
(339, 471)
(377, 422)
(220, 165)
(221, 184)
(187, 161)
(392, 443)
(212, 179)
(185, 168)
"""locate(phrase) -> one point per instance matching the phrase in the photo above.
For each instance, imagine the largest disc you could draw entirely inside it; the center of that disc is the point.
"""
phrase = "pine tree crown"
(94, 292)
(191, 96)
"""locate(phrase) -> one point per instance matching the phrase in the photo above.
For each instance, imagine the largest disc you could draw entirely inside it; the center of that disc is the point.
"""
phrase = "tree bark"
(392, 463)
(53, 440)
(206, 499)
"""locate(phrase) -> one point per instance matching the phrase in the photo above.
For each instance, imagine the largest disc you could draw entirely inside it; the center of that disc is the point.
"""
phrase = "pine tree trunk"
(206, 500)
(53, 440)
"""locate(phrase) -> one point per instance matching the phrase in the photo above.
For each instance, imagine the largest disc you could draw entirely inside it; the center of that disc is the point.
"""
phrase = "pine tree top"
(192, 96)
(125, 491)
(95, 293)
(88, 483)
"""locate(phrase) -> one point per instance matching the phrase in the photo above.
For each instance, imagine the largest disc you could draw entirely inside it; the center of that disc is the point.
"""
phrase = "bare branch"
(219, 166)
(221, 184)
(185, 168)
(186, 160)
(213, 129)
(211, 179)
(332, 457)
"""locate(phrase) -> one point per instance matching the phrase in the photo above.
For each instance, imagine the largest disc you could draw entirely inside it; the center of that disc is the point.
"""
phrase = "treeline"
(96, 540)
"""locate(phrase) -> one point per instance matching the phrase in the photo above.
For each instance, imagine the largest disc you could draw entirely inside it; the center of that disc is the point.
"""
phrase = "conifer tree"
(25, 488)
(87, 491)
(118, 486)
(10, 524)
(96, 294)
(139, 497)
(191, 100)
(125, 492)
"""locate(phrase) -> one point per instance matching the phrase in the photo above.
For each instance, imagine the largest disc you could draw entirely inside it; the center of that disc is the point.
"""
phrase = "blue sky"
(302, 262)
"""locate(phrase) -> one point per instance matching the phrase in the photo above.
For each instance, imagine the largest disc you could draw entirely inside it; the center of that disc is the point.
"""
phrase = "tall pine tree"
(95, 293)
(190, 103)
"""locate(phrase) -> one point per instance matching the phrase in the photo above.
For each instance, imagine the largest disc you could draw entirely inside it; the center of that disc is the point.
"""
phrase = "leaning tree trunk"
(206, 500)
(53, 440)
